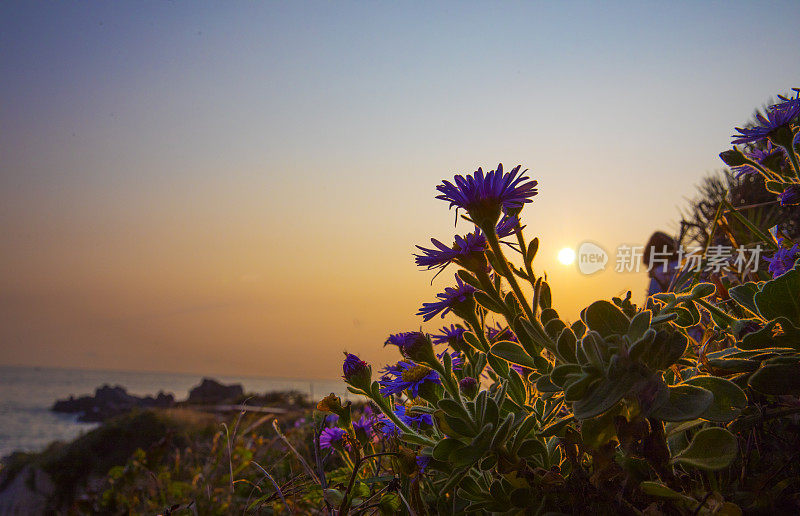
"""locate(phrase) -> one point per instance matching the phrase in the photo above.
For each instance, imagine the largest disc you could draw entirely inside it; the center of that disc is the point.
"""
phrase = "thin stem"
(476, 327)
(490, 290)
(388, 412)
(494, 243)
(528, 267)
(450, 385)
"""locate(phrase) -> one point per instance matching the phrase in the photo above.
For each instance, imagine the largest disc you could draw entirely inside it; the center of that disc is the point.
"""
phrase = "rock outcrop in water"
(211, 391)
(108, 402)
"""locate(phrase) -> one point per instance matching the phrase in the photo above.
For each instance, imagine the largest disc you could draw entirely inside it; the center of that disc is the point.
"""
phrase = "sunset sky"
(237, 188)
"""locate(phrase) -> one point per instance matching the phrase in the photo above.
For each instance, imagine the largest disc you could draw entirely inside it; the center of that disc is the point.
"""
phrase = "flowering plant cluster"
(687, 406)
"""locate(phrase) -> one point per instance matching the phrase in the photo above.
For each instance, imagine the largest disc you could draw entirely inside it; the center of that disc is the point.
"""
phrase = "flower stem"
(528, 267)
(388, 412)
(494, 243)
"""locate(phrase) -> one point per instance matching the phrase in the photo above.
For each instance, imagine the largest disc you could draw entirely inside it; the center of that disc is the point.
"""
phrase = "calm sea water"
(27, 393)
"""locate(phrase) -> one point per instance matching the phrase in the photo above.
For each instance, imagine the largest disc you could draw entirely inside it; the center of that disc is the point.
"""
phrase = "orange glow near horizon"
(239, 191)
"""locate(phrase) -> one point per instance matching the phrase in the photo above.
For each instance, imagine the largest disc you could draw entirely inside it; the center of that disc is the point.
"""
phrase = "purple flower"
(352, 365)
(422, 462)
(452, 336)
(299, 422)
(330, 437)
(356, 371)
(412, 420)
(402, 339)
(485, 196)
(790, 196)
(778, 116)
(406, 376)
(413, 344)
(467, 251)
(452, 298)
(783, 259)
(455, 358)
(365, 424)
(771, 153)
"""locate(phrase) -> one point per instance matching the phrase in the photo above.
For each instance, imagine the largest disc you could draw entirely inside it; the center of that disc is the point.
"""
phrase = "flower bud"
(332, 403)
(733, 157)
(356, 372)
(468, 387)
(418, 347)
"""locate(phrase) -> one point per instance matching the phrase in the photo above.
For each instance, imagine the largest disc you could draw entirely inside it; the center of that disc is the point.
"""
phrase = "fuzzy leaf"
(685, 402)
(711, 449)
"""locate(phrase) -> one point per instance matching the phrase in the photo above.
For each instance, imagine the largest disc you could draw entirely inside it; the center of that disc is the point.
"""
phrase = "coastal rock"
(211, 391)
(109, 402)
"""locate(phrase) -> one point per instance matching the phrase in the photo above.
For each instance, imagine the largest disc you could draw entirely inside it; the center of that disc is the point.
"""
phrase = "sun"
(566, 256)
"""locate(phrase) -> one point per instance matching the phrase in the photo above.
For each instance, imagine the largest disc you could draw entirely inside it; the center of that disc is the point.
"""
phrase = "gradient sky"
(237, 188)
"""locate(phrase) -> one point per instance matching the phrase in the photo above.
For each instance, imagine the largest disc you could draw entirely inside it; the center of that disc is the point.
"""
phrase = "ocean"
(27, 393)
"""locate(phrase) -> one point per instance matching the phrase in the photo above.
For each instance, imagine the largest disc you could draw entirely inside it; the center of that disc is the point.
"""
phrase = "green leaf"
(729, 399)
(639, 325)
(531, 447)
(533, 247)
(559, 375)
(780, 297)
(545, 299)
(593, 348)
(445, 447)
(684, 319)
(661, 352)
(514, 353)
(516, 387)
(745, 295)
(685, 402)
(468, 278)
(661, 491)
(778, 333)
(605, 395)
(543, 384)
(555, 427)
(471, 339)
(711, 449)
(451, 407)
(606, 319)
(777, 378)
(554, 327)
(703, 290)
(499, 365)
(492, 413)
(547, 315)
(389, 504)
(489, 303)
(451, 426)
(577, 389)
(566, 346)
(578, 328)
